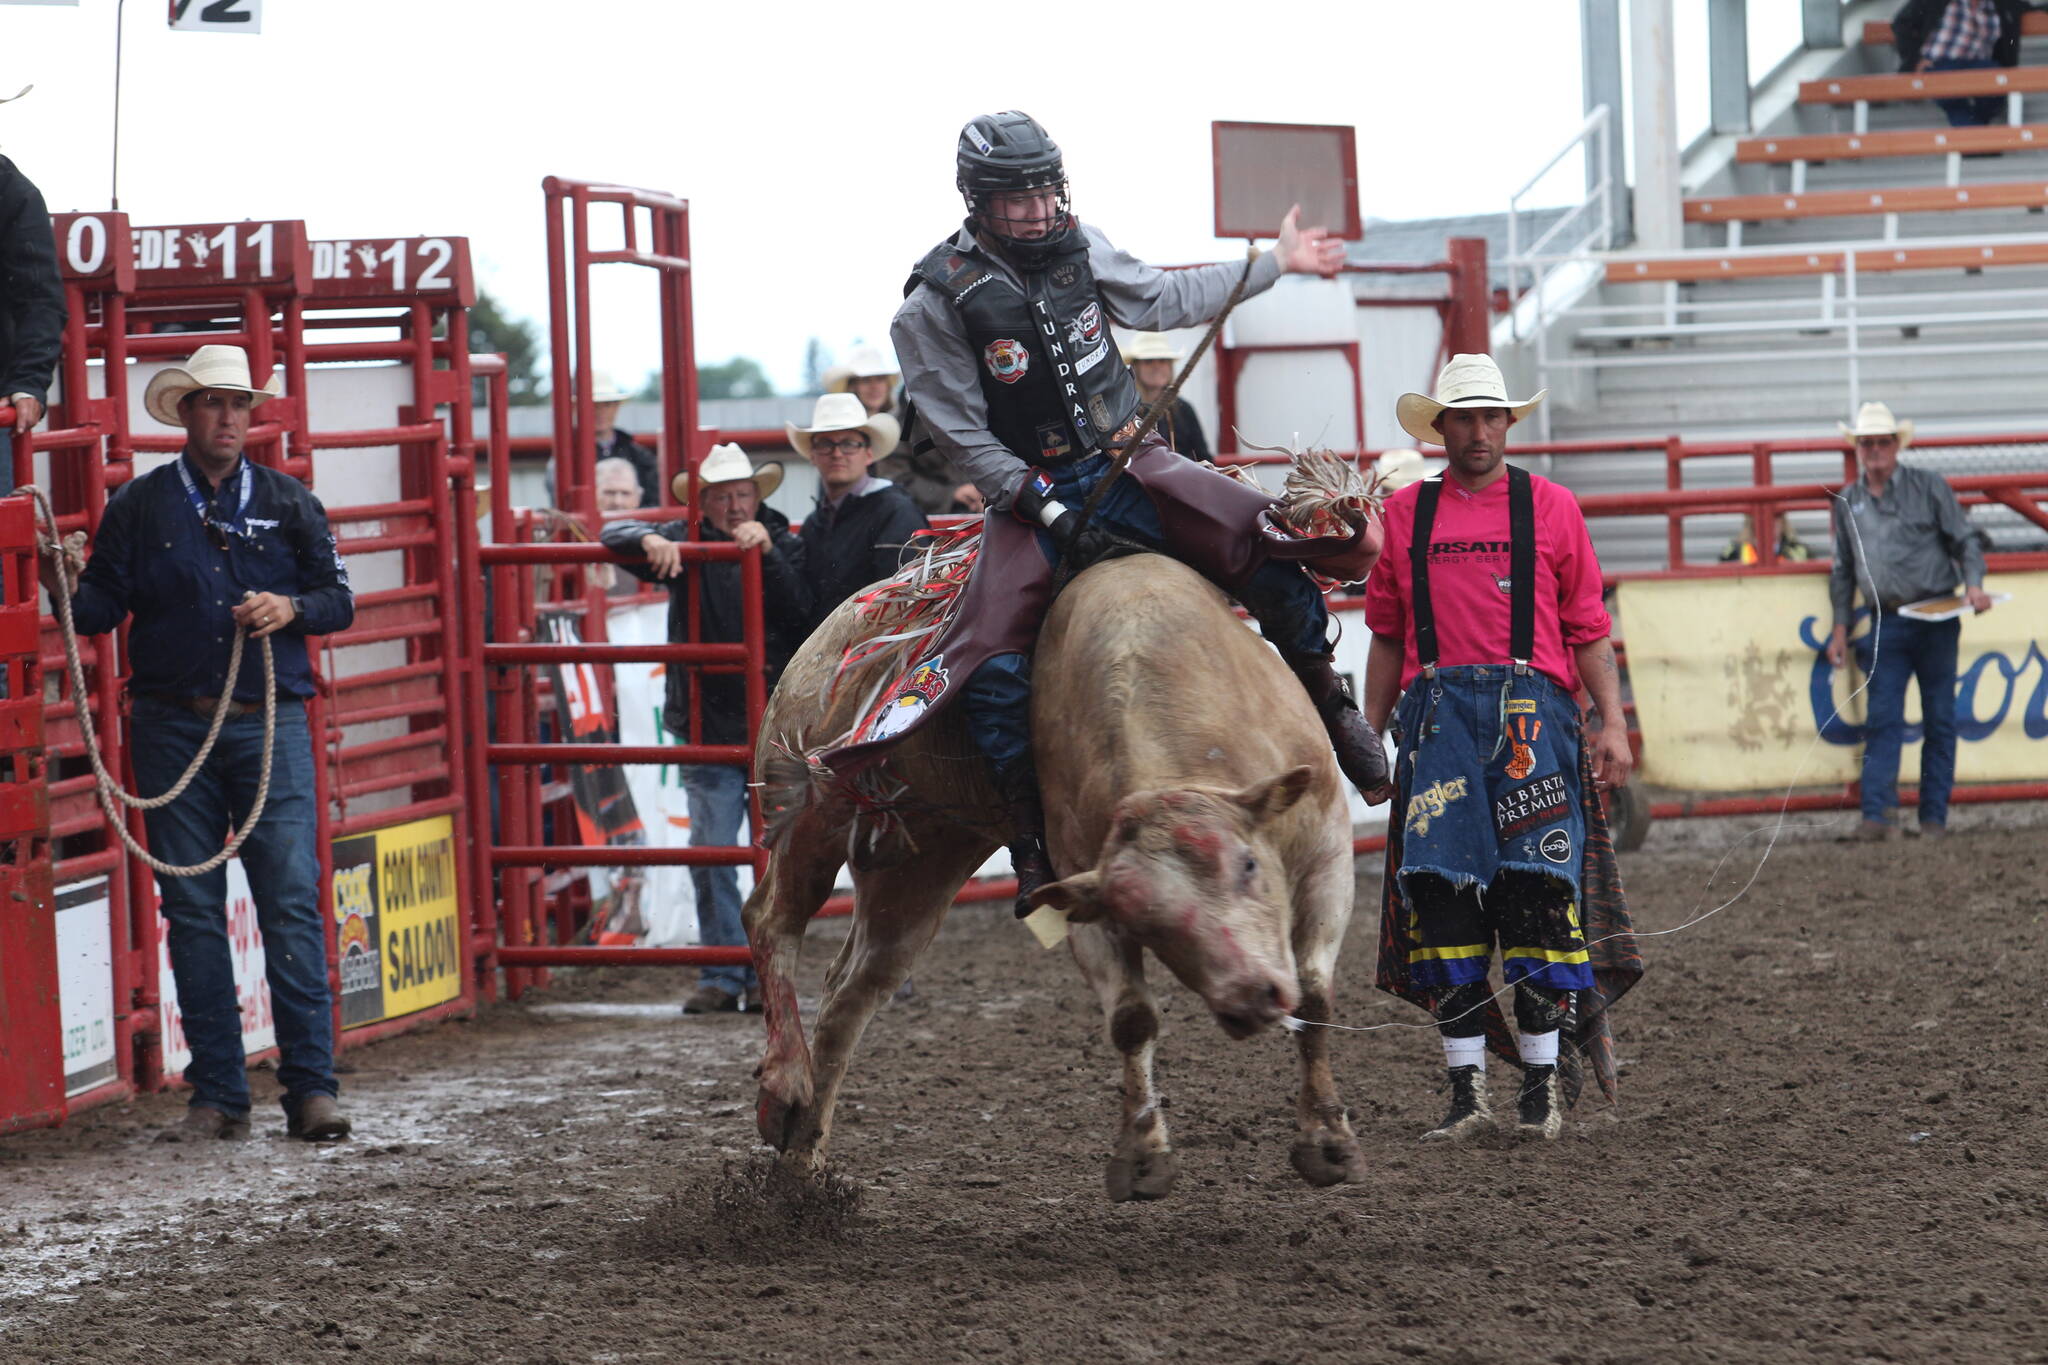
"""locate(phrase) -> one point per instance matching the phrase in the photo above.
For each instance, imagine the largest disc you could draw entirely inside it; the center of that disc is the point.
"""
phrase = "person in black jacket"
(1960, 35)
(31, 298)
(855, 535)
(730, 508)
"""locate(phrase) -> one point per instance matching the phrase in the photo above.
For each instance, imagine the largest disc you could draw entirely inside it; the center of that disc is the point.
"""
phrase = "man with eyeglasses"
(194, 550)
(855, 534)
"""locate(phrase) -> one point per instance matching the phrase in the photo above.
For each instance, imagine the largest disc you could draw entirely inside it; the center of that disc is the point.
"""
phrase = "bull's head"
(1193, 874)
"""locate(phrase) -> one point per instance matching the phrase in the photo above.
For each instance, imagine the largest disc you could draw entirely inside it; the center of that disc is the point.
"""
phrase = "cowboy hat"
(605, 389)
(843, 412)
(725, 464)
(866, 362)
(1152, 346)
(211, 367)
(1467, 381)
(1399, 468)
(1875, 419)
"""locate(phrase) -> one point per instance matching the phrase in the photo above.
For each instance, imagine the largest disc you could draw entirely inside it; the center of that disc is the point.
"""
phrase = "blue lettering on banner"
(1991, 674)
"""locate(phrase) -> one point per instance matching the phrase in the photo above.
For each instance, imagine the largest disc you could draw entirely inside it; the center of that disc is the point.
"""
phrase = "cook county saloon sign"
(397, 920)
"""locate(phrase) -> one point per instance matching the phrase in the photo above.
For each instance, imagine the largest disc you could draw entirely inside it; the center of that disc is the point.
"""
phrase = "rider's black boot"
(1019, 789)
(1360, 754)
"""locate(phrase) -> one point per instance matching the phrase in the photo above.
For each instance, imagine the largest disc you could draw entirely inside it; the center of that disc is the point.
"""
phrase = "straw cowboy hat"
(843, 412)
(211, 367)
(866, 362)
(605, 389)
(724, 464)
(1875, 419)
(1152, 346)
(1468, 381)
(1399, 468)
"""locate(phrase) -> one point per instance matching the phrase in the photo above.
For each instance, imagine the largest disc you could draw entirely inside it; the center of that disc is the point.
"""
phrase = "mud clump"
(759, 1209)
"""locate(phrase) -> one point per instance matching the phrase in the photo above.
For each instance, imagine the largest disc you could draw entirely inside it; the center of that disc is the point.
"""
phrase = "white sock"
(1466, 1051)
(1539, 1049)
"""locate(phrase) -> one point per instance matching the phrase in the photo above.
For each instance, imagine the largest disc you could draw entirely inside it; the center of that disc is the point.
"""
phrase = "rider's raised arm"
(1154, 300)
(930, 347)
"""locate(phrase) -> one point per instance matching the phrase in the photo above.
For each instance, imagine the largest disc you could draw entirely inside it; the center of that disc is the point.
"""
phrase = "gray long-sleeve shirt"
(939, 369)
(1908, 543)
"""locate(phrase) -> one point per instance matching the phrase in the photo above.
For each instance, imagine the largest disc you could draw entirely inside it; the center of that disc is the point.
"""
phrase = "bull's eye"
(1248, 870)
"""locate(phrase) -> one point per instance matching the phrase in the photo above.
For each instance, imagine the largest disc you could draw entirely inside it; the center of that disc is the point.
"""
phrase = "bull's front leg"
(800, 876)
(1325, 1151)
(1143, 1165)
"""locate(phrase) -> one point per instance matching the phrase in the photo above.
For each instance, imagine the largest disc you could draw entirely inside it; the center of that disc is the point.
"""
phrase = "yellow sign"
(398, 919)
(1733, 691)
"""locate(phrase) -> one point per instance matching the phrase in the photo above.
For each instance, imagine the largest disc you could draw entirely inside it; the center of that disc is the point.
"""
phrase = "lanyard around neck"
(202, 505)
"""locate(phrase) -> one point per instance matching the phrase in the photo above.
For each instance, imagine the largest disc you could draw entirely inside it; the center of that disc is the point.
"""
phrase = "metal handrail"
(1596, 126)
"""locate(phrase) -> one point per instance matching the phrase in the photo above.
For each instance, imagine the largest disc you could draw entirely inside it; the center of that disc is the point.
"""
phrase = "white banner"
(669, 903)
(85, 984)
(252, 991)
(217, 16)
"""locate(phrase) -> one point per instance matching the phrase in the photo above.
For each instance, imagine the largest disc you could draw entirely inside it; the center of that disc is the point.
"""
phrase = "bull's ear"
(1075, 897)
(1266, 799)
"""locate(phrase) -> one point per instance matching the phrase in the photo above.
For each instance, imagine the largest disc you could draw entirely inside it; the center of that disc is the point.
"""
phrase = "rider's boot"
(1019, 789)
(1360, 754)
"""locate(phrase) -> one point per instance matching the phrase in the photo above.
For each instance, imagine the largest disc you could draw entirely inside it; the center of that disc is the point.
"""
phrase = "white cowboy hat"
(724, 464)
(1399, 468)
(866, 362)
(1875, 419)
(1152, 346)
(843, 412)
(1467, 381)
(605, 389)
(211, 367)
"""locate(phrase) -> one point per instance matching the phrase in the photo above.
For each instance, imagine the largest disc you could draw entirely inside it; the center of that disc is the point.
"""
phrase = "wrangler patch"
(1521, 706)
(1535, 803)
(1427, 804)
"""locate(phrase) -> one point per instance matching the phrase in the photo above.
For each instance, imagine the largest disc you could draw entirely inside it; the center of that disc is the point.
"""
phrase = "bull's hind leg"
(1326, 1152)
(896, 911)
(1143, 1165)
(801, 871)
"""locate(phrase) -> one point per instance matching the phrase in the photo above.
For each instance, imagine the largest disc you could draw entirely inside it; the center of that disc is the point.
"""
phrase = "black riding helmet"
(1007, 152)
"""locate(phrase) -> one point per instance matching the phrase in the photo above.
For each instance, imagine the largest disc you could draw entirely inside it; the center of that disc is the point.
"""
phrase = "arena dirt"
(1830, 1146)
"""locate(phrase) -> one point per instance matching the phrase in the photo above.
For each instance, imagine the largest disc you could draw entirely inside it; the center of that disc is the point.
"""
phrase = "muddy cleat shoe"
(711, 1000)
(1360, 755)
(204, 1124)
(1469, 1113)
(317, 1118)
(1541, 1104)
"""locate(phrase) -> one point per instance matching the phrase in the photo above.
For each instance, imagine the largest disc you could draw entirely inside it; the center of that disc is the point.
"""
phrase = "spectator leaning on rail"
(926, 475)
(1901, 537)
(1960, 35)
(730, 508)
(1153, 360)
(31, 297)
(1486, 659)
(855, 535)
(192, 550)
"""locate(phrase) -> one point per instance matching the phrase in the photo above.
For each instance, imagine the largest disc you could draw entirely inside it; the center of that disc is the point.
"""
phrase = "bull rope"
(1294, 1024)
(105, 787)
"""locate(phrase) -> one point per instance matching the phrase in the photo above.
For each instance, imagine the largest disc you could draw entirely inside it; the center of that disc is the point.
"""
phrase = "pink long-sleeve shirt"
(1468, 574)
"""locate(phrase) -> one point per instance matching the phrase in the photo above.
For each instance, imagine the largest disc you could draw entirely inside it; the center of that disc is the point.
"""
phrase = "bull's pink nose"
(1254, 1005)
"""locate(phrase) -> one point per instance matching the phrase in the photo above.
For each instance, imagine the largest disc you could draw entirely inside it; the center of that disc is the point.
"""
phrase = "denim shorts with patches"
(1492, 836)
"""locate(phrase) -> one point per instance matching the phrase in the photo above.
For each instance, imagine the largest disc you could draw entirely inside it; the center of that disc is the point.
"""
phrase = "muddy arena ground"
(1830, 1146)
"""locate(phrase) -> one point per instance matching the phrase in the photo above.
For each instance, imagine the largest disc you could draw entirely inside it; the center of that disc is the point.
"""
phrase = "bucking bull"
(1194, 810)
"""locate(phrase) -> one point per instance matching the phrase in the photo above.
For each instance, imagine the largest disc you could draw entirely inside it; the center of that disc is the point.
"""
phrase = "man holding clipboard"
(1902, 538)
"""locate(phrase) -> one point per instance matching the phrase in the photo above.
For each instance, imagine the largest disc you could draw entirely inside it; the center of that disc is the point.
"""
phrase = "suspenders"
(1521, 571)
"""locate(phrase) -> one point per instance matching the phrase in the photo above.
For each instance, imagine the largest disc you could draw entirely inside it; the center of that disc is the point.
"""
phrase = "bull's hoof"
(779, 1118)
(1328, 1160)
(1141, 1175)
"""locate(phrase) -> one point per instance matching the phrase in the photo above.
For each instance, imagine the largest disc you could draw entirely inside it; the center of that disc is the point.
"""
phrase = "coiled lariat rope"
(104, 784)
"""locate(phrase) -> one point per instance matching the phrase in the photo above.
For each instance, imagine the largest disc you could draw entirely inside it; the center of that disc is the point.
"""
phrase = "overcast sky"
(814, 142)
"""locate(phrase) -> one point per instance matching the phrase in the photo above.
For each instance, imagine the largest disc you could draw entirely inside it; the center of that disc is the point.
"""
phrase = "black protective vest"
(1056, 386)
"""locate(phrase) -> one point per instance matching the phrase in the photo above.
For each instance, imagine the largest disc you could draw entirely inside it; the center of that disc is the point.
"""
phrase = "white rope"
(104, 785)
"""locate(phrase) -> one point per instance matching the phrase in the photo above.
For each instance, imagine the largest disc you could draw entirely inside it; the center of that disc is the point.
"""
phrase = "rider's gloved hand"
(1035, 506)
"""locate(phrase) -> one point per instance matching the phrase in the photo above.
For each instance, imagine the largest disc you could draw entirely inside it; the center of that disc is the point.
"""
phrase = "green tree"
(735, 378)
(492, 329)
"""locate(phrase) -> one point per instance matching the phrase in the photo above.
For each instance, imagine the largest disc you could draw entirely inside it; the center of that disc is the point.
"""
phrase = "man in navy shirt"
(193, 550)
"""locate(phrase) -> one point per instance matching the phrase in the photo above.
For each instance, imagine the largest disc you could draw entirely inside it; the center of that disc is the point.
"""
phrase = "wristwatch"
(299, 612)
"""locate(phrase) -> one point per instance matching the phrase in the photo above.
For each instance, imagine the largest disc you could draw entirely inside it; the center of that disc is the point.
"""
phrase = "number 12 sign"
(217, 16)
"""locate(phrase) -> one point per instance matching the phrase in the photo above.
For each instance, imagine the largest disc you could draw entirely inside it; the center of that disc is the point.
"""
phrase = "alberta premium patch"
(1541, 802)
(1006, 359)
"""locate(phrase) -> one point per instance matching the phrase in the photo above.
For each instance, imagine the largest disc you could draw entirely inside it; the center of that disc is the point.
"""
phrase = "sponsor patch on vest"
(1053, 443)
(1556, 846)
(1534, 803)
(1007, 360)
(1091, 360)
(1086, 329)
(1098, 408)
(1065, 274)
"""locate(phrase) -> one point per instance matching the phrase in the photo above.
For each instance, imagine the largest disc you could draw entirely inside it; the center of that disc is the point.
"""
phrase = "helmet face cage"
(983, 206)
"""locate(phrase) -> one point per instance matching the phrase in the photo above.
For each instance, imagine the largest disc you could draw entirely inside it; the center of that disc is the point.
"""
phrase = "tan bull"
(1192, 804)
